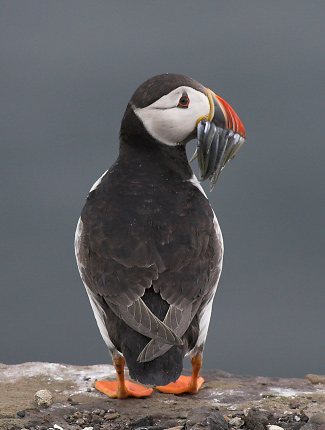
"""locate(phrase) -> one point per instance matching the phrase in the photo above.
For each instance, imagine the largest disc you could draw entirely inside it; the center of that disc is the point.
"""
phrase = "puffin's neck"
(138, 146)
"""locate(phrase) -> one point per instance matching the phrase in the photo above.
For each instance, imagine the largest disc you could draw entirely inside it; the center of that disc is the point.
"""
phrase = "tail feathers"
(152, 350)
(160, 371)
(141, 319)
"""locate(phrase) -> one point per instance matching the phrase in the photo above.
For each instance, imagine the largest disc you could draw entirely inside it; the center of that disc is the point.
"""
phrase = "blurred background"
(67, 72)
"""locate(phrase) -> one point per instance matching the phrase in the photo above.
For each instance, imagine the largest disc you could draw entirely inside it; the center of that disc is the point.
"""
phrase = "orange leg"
(186, 384)
(121, 389)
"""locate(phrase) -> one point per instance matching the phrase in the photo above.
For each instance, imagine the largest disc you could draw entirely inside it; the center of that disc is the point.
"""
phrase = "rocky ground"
(225, 402)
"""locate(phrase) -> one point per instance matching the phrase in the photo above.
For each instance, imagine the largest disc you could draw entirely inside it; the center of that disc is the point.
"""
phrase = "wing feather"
(176, 319)
(139, 317)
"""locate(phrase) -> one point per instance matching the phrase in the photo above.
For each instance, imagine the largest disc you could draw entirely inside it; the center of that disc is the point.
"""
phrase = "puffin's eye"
(184, 101)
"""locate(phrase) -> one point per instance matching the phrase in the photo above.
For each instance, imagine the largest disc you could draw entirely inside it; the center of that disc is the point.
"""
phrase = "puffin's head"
(175, 109)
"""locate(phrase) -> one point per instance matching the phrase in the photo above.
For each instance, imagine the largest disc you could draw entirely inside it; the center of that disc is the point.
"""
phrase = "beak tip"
(232, 121)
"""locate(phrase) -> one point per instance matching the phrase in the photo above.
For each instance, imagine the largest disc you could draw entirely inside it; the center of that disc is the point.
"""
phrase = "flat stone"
(310, 427)
(175, 428)
(142, 422)
(206, 418)
(111, 416)
(317, 418)
(297, 426)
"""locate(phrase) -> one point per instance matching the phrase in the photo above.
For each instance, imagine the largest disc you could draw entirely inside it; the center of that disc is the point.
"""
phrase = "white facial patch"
(170, 124)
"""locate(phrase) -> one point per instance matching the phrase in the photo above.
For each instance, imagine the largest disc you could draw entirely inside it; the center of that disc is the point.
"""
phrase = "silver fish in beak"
(219, 137)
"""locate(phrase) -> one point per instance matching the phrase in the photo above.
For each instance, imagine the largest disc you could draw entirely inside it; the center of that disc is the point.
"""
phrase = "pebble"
(175, 428)
(95, 418)
(232, 408)
(294, 404)
(57, 427)
(21, 414)
(297, 426)
(142, 422)
(43, 398)
(236, 422)
(317, 418)
(274, 427)
(256, 420)
(111, 416)
(206, 418)
(303, 417)
(310, 427)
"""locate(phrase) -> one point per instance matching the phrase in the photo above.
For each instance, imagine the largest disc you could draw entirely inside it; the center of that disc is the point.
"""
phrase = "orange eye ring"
(184, 101)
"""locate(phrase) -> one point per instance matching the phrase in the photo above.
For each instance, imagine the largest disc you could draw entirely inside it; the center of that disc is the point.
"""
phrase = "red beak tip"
(232, 120)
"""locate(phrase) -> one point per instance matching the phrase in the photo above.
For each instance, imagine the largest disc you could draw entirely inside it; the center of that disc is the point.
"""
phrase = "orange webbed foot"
(184, 384)
(130, 389)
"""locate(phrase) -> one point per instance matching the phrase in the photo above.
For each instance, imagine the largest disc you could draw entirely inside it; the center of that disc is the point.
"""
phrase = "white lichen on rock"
(43, 398)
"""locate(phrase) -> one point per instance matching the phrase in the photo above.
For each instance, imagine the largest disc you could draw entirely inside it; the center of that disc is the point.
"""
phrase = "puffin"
(148, 245)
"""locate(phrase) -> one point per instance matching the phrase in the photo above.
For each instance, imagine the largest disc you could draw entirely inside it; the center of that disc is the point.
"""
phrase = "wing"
(121, 286)
(198, 279)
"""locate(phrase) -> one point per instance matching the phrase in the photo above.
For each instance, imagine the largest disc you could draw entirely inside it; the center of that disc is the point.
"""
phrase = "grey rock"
(303, 417)
(294, 404)
(142, 422)
(154, 427)
(236, 422)
(317, 418)
(310, 427)
(111, 416)
(175, 428)
(316, 379)
(256, 420)
(297, 426)
(43, 398)
(206, 418)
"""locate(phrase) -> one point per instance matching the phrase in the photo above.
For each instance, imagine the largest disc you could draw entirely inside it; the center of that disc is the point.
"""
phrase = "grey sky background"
(68, 69)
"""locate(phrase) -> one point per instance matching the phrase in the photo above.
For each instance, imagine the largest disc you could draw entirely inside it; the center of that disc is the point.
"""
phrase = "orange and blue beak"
(219, 137)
